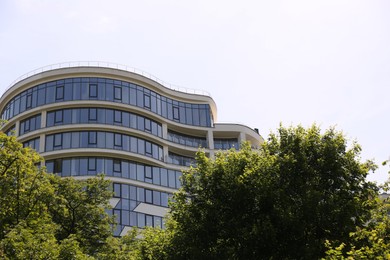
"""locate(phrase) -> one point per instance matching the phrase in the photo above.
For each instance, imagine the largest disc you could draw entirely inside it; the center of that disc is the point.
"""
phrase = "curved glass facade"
(87, 166)
(104, 140)
(103, 89)
(130, 197)
(103, 116)
(187, 140)
(118, 117)
(30, 124)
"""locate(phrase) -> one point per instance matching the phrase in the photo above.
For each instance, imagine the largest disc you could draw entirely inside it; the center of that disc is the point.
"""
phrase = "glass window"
(57, 140)
(176, 113)
(148, 126)
(58, 166)
(58, 116)
(156, 198)
(117, 116)
(149, 220)
(148, 172)
(125, 169)
(117, 190)
(140, 194)
(29, 101)
(133, 193)
(147, 101)
(164, 199)
(141, 220)
(118, 93)
(92, 115)
(172, 178)
(148, 148)
(125, 217)
(60, 93)
(92, 138)
(118, 140)
(141, 146)
(109, 140)
(117, 166)
(27, 125)
(141, 123)
(140, 172)
(93, 93)
(66, 140)
(148, 196)
(91, 164)
(156, 175)
(164, 177)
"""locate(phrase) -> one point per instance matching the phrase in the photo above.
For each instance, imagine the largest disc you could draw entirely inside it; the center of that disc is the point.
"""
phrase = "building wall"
(89, 120)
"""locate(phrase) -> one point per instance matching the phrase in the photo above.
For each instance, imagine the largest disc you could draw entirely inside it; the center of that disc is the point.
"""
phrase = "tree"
(282, 202)
(24, 188)
(43, 216)
(78, 208)
(372, 241)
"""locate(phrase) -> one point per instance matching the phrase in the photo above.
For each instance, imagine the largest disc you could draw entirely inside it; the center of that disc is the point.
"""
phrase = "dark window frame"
(92, 137)
(147, 101)
(90, 117)
(117, 120)
(58, 119)
(92, 164)
(176, 113)
(93, 90)
(29, 101)
(118, 140)
(59, 93)
(119, 96)
(56, 138)
(117, 165)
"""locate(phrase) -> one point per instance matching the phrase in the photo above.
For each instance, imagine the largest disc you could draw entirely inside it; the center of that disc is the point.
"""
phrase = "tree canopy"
(284, 201)
(43, 216)
(302, 195)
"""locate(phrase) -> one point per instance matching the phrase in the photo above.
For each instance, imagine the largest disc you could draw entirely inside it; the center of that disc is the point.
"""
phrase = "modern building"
(90, 118)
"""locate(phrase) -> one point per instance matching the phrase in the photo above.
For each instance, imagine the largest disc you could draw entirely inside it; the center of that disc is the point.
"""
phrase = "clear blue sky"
(264, 62)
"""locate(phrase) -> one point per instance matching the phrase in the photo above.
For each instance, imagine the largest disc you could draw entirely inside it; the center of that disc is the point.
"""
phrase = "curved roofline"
(119, 71)
(103, 64)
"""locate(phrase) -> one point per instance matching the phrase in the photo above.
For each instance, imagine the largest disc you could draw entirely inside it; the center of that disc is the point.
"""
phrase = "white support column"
(241, 138)
(165, 131)
(166, 153)
(43, 119)
(42, 142)
(17, 127)
(210, 141)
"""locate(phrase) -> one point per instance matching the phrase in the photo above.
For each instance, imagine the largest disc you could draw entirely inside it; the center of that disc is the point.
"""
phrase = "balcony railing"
(102, 64)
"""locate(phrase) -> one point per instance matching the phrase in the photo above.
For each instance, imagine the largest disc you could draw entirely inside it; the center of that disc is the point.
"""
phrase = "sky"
(263, 62)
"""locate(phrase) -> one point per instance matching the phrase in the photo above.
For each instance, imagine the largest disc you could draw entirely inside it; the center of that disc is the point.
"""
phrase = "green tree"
(78, 208)
(24, 188)
(372, 241)
(282, 202)
(43, 216)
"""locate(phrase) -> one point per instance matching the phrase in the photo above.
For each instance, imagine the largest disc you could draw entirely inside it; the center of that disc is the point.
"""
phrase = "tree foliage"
(282, 202)
(372, 241)
(43, 216)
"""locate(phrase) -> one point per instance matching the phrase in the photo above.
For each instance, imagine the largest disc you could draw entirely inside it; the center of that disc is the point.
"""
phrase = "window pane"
(93, 91)
(148, 196)
(60, 93)
(117, 190)
(92, 114)
(147, 101)
(117, 116)
(118, 93)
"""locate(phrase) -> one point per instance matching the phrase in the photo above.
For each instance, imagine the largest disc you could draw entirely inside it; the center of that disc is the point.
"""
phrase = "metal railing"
(102, 64)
